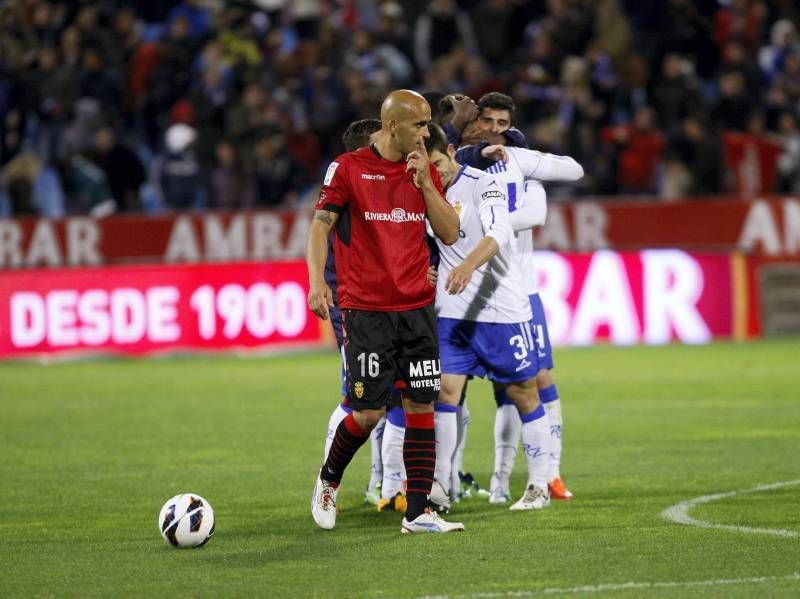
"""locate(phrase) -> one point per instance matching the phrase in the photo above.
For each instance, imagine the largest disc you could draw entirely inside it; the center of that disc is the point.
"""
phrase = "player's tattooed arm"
(329, 218)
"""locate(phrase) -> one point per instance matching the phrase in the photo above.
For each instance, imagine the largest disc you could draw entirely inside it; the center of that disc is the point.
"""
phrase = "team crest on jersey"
(359, 389)
(329, 174)
(457, 207)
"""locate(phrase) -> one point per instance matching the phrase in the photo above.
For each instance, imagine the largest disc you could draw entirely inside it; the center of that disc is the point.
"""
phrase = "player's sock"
(458, 460)
(552, 405)
(376, 468)
(338, 414)
(394, 471)
(507, 426)
(348, 438)
(419, 457)
(536, 445)
(446, 421)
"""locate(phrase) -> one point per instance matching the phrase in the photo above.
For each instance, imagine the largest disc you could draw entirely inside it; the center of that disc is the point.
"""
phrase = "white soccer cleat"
(438, 498)
(323, 504)
(499, 495)
(533, 499)
(430, 521)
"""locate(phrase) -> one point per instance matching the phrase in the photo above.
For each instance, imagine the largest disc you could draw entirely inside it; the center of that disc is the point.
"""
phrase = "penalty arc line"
(679, 513)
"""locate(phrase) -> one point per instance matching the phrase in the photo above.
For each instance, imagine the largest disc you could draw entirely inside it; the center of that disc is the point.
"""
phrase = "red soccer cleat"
(558, 490)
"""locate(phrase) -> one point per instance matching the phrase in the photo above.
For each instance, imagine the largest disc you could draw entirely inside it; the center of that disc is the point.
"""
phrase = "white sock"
(507, 427)
(445, 422)
(536, 445)
(336, 418)
(375, 440)
(394, 470)
(462, 421)
(553, 409)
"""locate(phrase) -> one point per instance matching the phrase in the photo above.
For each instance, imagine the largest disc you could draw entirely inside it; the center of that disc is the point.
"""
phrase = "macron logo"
(369, 177)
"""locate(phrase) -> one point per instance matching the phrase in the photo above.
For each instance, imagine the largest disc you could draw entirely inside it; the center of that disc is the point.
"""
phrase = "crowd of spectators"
(149, 106)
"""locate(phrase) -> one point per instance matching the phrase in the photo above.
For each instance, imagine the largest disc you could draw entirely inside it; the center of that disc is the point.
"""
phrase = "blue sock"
(548, 394)
(535, 415)
(397, 417)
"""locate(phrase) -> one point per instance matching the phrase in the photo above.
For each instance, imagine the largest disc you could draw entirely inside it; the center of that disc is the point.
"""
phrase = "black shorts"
(386, 349)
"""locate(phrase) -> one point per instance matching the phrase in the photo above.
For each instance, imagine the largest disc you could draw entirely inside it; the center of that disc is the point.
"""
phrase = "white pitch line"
(600, 588)
(679, 512)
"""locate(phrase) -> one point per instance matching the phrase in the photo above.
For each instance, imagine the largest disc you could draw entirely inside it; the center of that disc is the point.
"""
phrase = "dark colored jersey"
(381, 254)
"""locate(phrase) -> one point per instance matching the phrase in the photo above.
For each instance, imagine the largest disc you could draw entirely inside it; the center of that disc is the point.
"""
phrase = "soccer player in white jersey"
(483, 318)
(519, 174)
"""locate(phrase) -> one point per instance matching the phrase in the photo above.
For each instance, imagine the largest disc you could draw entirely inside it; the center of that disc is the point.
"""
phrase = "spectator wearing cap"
(177, 172)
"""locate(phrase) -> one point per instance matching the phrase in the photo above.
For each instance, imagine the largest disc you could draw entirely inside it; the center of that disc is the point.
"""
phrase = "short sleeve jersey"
(380, 249)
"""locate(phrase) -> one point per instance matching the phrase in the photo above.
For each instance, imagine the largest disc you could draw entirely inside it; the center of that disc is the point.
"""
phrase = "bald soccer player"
(378, 199)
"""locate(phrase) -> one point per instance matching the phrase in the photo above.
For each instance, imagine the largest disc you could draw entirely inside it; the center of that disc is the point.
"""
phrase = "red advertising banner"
(650, 297)
(140, 310)
(764, 227)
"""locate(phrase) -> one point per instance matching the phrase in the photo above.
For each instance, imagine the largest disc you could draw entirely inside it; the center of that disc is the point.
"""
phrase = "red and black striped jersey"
(381, 253)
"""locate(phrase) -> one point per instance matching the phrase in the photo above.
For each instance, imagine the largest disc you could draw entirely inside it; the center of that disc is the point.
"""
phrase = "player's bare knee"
(452, 388)
(415, 407)
(544, 379)
(368, 419)
(524, 396)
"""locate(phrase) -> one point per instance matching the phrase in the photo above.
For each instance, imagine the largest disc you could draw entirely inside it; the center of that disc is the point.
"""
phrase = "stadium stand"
(158, 106)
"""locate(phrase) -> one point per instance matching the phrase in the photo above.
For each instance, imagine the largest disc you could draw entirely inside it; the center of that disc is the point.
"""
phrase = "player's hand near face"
(320, 298)
(418, 163)
(495, 152)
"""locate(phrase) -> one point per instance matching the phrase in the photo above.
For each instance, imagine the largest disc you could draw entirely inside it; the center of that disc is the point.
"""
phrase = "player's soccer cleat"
(438, 499)
(469, 487)
(534, 498)
(373, 495)
(499, 496)
(398, 503)
(430, 521)
(558, 490)
(323, 504)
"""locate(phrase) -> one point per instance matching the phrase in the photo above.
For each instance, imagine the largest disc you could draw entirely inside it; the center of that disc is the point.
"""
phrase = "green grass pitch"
(91, 450)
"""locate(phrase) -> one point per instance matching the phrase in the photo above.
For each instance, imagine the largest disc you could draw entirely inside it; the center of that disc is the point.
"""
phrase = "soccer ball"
(186, 520)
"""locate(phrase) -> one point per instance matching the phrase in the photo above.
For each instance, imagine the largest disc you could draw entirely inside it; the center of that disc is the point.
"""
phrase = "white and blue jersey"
(485, 330)
(527, 204)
